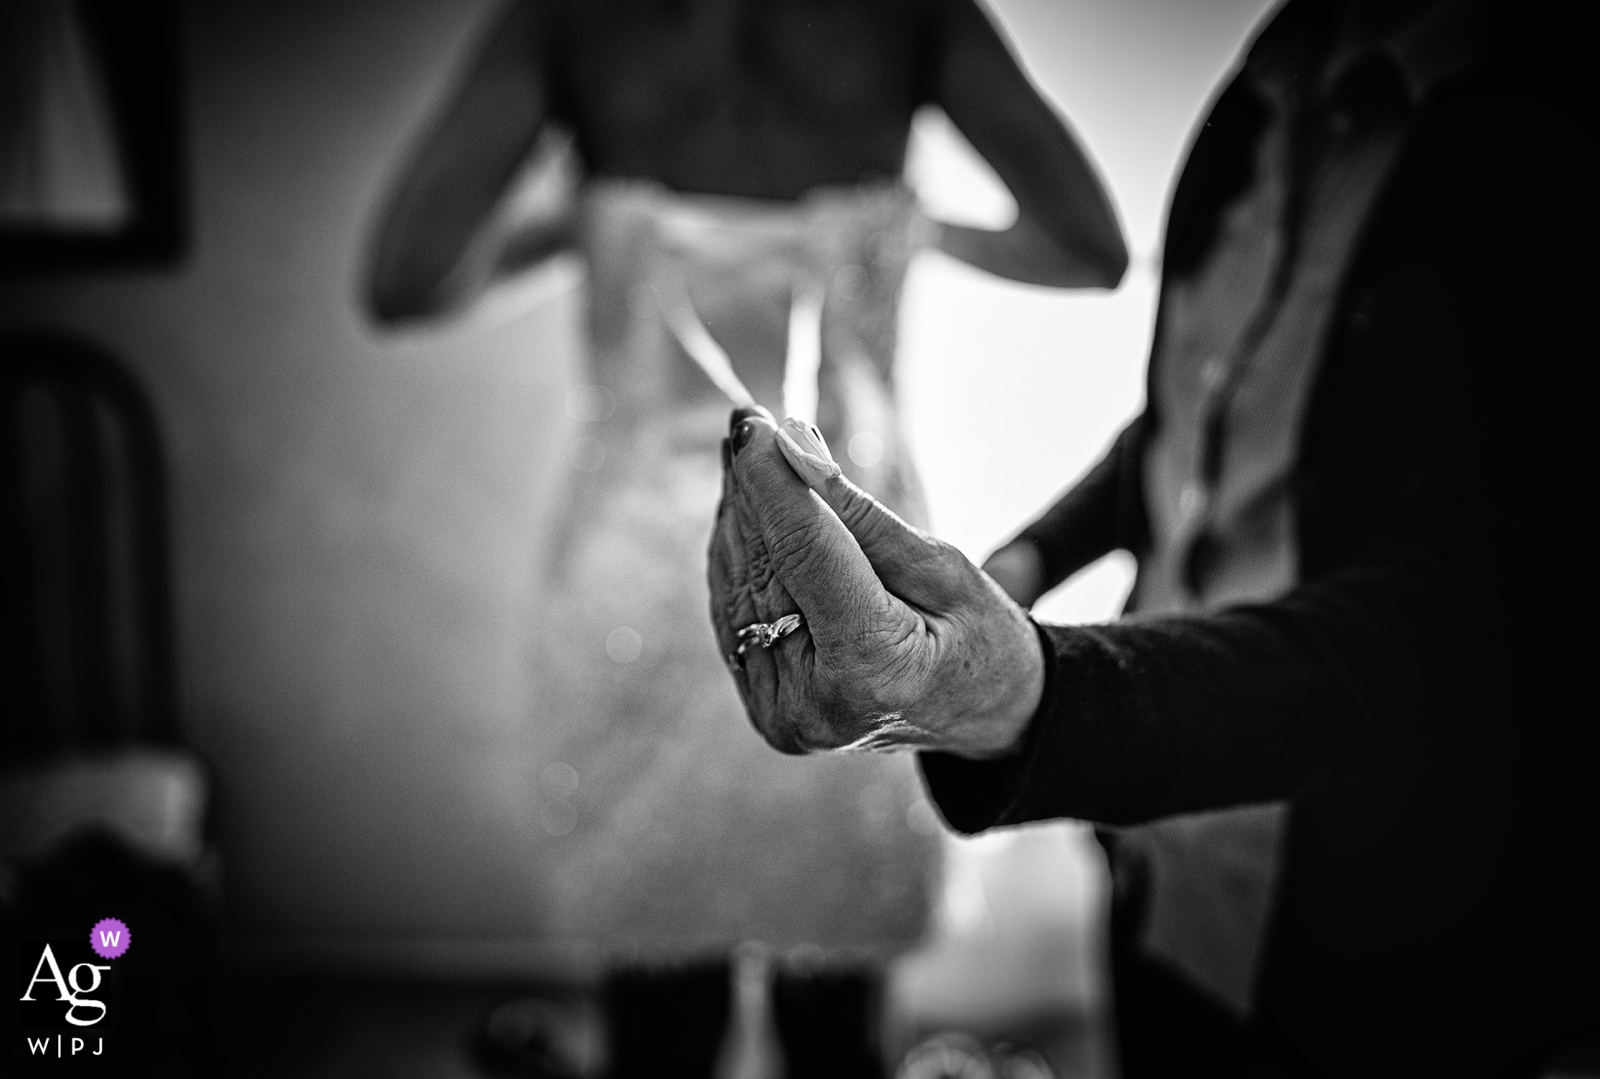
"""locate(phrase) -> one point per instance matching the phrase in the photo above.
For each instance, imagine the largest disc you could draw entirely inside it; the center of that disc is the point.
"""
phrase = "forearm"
(1067, 232)
(422, 264)
(1101, 513)
(456, 177)
(1028, 254)
(1340, 683)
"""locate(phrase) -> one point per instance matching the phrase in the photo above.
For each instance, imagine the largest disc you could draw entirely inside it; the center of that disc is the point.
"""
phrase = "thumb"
(812, 553)
(910, 563)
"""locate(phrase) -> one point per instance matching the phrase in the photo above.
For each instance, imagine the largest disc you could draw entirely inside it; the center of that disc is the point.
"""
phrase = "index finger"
(819, 562)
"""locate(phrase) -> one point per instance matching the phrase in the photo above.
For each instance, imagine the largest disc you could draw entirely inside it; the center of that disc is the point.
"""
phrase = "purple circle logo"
(109, 938)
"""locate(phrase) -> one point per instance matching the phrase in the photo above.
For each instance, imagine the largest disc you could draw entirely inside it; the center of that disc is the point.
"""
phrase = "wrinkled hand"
(905, 643)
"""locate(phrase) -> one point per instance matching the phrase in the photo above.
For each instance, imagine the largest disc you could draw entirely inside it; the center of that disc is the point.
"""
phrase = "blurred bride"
(746, 232)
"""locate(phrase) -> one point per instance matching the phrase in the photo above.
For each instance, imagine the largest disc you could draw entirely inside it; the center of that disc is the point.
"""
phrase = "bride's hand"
(904, 643)
(1018, 568)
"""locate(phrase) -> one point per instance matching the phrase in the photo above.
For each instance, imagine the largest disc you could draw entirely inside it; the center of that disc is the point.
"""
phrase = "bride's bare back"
(760, 98)
(765, 98)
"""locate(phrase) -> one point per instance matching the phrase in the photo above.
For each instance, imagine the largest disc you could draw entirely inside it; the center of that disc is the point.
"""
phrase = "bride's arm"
(1066, 232)
(422, 262)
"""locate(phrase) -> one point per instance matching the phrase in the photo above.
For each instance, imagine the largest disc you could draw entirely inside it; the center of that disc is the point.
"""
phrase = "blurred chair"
(91, 739)
(87, 645)
(102, 810)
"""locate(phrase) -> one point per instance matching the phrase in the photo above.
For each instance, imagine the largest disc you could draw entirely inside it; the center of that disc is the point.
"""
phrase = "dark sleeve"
(1335, 683)
(1371, 668)
(1103, 512)
(1441, 488)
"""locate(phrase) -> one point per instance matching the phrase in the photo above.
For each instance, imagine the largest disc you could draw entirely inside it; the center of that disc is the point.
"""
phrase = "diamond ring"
(767, 634)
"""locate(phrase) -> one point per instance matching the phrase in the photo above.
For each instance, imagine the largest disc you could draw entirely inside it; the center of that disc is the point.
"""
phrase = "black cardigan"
(1417, 696)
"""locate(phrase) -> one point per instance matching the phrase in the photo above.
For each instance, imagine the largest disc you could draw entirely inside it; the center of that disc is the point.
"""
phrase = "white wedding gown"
(682, 827)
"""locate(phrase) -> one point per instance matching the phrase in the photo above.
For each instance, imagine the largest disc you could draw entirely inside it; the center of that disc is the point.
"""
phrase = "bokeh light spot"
(866, 448)
(624, 644)
(559, 780)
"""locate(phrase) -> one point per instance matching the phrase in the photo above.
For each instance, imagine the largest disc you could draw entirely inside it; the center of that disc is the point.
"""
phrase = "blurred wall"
(1011, 391)
(357, 515)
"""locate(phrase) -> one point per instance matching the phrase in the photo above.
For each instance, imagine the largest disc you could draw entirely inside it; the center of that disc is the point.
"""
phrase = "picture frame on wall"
(92, 169)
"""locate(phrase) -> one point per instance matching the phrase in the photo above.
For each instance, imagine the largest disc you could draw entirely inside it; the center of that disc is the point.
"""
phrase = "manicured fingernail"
(741, 435)
(745, 412)
(808, 438)
(811, 467)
